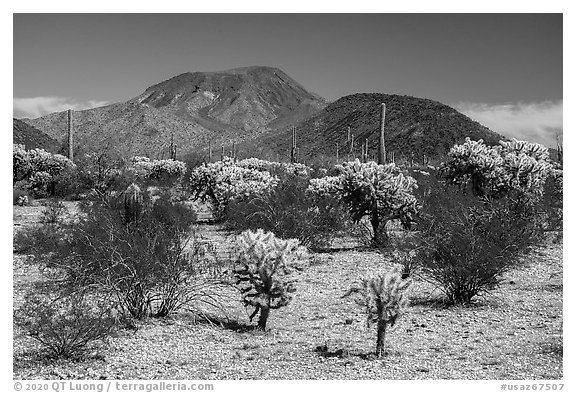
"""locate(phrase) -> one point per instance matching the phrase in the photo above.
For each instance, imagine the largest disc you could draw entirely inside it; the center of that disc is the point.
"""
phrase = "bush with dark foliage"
(152, 266)
(290, 212)
(65, 324)
(468, 243)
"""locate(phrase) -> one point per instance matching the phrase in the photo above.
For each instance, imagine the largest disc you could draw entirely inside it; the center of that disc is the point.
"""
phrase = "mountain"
(256, 107)
(32, 138)
(413, 125)
(193, 108)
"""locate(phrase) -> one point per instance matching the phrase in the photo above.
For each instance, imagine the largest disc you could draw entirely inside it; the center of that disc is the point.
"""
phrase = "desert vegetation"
(243, 261)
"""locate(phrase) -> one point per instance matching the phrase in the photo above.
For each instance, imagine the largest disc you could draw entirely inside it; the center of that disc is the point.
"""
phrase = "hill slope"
(413, 124)
(194, 107)
(32, 138)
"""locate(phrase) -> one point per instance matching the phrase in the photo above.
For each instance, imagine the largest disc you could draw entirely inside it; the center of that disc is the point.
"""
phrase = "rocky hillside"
(413, 125)
(194, 108)
(32, 138)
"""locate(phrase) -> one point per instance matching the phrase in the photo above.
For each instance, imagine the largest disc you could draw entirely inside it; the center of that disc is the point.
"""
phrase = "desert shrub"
(54, 212)
(469, 242)
(383, 299)
(153, 265)
(20, 197)
(552, 202)
(381, 193)
(262, 271)
(65, 325)
(102, 172)
(470, 239)
(37, 240)
(403, 251)
(289, 211)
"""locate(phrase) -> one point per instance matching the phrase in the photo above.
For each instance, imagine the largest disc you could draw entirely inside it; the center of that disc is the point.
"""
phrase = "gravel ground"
(514, 332)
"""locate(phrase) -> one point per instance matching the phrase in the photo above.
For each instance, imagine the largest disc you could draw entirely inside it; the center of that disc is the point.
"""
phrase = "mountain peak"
(235, 104)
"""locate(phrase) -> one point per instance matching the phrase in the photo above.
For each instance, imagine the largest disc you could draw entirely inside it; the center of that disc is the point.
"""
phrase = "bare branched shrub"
(468, 243)
(54, 212)
(65, 325)
(152, 266)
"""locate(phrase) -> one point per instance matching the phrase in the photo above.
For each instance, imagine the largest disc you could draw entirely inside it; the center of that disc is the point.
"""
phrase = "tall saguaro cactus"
(559, 150)
(70, 136)
(172, 148)
(381, 143)
(293, 157)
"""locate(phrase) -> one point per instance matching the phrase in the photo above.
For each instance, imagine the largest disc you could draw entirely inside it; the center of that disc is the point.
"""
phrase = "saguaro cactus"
(133, 203)
(172, 148)
(352, 144)
(381, 143)
(70, 136)
(559, 150)
(293, 152)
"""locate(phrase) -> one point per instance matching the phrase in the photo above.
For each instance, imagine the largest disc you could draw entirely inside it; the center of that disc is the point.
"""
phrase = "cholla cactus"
(495, 171)
(379, 192)
(41, 168)
(262, 271)
(22, 200)
(384, 299)
(275, 167)
(223, 181)
(146, 169)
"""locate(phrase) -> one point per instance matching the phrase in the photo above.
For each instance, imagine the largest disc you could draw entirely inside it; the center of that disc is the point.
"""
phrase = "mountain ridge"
(260, 105)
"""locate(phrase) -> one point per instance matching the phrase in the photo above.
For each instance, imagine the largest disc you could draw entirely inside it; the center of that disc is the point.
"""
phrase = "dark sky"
(459, 59)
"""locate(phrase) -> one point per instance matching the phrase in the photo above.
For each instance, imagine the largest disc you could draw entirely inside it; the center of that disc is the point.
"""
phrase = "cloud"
(40, 106)
(535, 122)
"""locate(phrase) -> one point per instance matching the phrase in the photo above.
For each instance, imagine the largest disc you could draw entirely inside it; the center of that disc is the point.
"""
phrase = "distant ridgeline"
(254, 109)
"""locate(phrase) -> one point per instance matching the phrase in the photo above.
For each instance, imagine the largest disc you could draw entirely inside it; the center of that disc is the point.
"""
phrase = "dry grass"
(513, 333)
